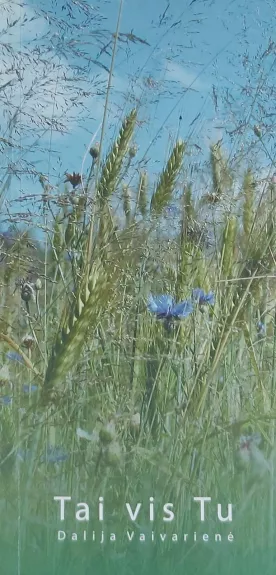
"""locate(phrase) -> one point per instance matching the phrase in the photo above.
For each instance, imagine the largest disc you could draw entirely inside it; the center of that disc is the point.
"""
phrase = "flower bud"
(107, 433)
(38, 284)
(28, 341)
(113, 454)
(27, 292)
(257, 131)
(94, 151)
(132, 151)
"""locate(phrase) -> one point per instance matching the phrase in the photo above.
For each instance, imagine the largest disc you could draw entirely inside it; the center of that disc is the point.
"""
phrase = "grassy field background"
(100, 397)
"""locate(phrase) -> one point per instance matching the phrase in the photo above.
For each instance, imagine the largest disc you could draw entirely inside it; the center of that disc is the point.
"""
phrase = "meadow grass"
(164, 410)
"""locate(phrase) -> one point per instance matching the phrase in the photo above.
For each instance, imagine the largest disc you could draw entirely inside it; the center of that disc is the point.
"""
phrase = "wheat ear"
(165, 186)
(90, 303)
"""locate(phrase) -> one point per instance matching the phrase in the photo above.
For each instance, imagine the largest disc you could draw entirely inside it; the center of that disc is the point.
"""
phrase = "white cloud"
(31, 24)
(185, 77)
(36, 84)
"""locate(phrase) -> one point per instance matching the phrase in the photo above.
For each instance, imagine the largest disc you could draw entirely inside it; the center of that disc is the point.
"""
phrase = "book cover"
(137, 273)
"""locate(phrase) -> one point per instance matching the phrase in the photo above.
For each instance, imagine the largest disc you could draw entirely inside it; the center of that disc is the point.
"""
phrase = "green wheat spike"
(215, 158)
(260, 262)
(74, 219)
(165, 186)
(113, 164)
(89, 306)
(189, 210)
(127, 203)
(110, 176)
(142, 193)
(228, 246)
(109, 180)
(199, 270)
(58, 242)
(248, 188)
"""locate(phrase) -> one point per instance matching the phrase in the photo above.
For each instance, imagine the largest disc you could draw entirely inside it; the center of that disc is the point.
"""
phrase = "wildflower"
(261, 329)
(249, 453)
(94, 151)
(6, 400)
(14, 356)
(202, 298)
(28, 341)
(74, 179)
(165, 307)
(27, 291)
(29, 388)
(54, 455)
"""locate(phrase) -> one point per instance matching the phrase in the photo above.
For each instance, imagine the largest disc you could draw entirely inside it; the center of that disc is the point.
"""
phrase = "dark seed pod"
(28, 341)
(27, 292)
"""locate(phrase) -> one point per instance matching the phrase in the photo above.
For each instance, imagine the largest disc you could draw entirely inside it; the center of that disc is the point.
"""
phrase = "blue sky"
(193, 46)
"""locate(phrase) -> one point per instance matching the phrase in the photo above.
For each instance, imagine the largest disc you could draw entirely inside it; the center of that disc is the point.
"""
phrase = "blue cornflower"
(261, 328)
(13, 356)
(6, 400)
(29, 388)
(172, 210)
(165, 307)
(202, 298)
(54, 455)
